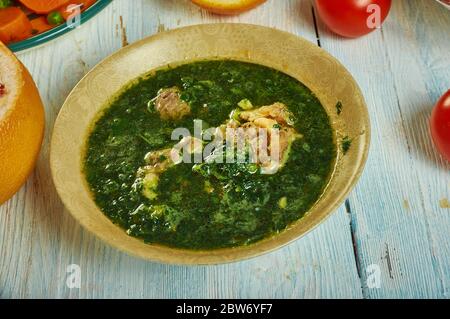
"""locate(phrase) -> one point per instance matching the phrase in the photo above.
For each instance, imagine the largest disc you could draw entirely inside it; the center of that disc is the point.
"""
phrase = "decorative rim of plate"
(90, 95)
(59, 30)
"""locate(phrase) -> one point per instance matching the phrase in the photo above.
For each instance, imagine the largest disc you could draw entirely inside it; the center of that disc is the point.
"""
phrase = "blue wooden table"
(390, 239)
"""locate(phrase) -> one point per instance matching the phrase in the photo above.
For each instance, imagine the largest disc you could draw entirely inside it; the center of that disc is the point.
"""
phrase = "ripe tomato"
(353, 18)
(440, 125)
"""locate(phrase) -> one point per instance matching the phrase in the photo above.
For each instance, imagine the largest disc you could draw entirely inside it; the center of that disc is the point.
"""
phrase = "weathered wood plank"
(398, 223)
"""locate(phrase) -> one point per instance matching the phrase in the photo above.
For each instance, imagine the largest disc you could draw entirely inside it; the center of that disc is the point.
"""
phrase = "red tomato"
(440, 125)
(353, 18)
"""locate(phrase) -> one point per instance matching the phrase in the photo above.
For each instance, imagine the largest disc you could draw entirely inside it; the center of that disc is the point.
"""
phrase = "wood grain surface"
(395, 221)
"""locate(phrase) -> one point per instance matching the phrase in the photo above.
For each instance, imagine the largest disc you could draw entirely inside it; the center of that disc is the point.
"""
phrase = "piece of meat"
(159, 161)
(286, 136)
(277, 111)
(254, 130)
(170, 106)
(274, 119)
(247, 127)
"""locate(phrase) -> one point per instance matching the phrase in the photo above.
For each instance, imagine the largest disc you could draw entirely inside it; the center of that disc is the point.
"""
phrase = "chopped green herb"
(306, 147)
(282, 203)
(145, 139)
(277, 126)
(346, 144)
(245, 104)
(234, 115)
(339, 108)
(151, 106)
(55, 18)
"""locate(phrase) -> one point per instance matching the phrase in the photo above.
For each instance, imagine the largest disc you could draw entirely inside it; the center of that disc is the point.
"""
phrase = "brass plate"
(318, 70)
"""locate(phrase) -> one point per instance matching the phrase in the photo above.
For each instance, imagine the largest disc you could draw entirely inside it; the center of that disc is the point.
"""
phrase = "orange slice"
(228, 6)
(21, 124)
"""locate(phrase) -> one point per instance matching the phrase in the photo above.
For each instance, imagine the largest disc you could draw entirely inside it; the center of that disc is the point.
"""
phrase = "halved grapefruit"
(21, 124)
(228, 6)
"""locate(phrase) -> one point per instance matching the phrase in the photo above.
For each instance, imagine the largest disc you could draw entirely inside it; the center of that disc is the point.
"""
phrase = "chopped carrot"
(44, 6)
(40, 25)
(14, 25)
(84, 4)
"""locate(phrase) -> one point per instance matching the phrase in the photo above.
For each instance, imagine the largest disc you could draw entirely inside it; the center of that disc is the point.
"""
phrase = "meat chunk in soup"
(170, 106)
(275, 119)
(159, 161)
(277, 111)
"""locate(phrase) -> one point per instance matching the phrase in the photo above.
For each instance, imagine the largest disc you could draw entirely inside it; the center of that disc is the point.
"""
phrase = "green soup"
(226, 205)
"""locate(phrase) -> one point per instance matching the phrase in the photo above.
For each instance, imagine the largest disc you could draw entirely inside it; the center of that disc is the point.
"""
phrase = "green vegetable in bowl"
(245, 104)
(55, 18)
(220, 201)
